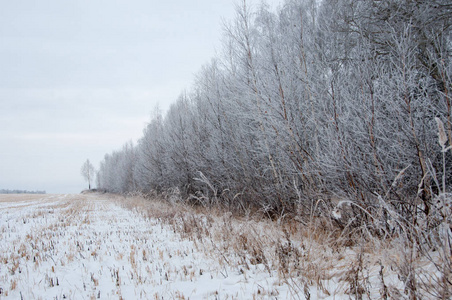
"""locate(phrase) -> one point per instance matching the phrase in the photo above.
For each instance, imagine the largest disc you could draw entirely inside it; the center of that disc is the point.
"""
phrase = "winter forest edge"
(334, 109)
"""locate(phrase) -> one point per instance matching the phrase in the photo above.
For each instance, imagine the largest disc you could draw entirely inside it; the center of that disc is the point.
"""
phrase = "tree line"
(332, 100)
(6, 191)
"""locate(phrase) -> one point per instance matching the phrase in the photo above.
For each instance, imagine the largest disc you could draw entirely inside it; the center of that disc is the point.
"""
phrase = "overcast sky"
(79, 78)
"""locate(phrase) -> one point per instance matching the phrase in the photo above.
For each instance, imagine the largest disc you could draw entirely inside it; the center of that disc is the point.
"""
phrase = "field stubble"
(111, 247)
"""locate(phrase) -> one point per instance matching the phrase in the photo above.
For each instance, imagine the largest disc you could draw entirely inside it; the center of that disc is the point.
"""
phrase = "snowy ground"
(105, 247)
(88, 247)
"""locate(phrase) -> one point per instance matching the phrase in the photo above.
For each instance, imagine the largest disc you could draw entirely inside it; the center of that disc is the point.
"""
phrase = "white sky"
(79, 78)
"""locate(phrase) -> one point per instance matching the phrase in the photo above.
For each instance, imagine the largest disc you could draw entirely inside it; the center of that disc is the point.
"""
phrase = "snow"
(86, 247)
(104, 247)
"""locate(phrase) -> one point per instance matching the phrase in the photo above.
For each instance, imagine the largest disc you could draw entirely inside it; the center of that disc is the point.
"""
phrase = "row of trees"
(6, 191)
(333, 99)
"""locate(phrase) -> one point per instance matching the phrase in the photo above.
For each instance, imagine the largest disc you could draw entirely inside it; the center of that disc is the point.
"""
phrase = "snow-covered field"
(107, 247)
(89, 247)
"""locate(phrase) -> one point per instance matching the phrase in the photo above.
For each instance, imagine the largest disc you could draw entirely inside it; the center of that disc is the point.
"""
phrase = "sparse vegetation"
(150, 246)
(313, 260)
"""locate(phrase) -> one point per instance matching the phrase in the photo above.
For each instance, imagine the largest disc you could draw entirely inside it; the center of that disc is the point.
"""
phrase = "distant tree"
(88, 172)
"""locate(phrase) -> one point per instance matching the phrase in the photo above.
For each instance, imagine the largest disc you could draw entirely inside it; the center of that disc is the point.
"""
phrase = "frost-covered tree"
(317, 99)
(88, 172)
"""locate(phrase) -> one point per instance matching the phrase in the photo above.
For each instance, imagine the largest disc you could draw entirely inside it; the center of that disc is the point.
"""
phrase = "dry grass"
(303, 256)
(314, 260)
(17, 198)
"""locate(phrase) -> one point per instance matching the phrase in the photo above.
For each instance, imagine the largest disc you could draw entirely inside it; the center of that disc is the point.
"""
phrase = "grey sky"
(79, 78)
